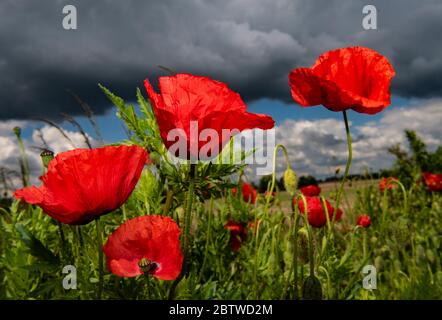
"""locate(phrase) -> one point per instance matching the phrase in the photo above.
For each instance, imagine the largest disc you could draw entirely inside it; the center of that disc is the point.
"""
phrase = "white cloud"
(10, 155)
(319, 147)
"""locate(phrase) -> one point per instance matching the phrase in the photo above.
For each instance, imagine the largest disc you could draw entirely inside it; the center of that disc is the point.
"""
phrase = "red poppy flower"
(211, 104)
(355, 78)
(364, 221)
(433, 181)
(146, 244)
(248, 192)
(316, 212)
(311, 190)
(238, 234)
(83, 184)
(384, 181)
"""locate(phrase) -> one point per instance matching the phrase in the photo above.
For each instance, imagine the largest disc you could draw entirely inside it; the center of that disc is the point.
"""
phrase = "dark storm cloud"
(251, 44)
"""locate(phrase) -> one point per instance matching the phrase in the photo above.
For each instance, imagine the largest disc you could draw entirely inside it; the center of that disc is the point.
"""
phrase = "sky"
(249, 44)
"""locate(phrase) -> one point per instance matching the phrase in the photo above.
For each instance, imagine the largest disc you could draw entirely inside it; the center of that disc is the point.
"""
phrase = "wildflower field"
(126, 221)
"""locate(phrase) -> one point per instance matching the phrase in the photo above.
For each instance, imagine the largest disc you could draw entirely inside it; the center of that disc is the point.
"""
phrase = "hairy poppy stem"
(187, 227)
(364, 244)
(347, 169)
(188, 212)
(311, 253)
(169, 200)
(62, 238)
(208, 237)
(385, 202)
(100, 257)
(295, 248)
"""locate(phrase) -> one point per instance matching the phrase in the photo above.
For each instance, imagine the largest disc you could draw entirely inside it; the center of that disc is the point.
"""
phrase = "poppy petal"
(155, 238)
(355, 78)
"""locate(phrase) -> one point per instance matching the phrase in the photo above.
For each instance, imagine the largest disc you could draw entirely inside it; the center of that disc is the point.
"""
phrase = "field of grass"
(233, 246)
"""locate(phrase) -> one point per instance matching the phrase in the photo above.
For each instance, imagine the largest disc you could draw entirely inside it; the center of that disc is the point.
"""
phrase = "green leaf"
(36, 248)
(117, 101)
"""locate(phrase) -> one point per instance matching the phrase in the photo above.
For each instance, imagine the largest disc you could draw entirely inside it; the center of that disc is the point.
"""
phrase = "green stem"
(123, 210)
(295, 248)
(273, 181)
(25, 161)
(309, 235)
(63, 240)
(188, 212)
(187, 227)
(347, 169)
(364, 244)
(385, 202)
(100, 257)
(255, 268)
(169, 200)
(208, 236)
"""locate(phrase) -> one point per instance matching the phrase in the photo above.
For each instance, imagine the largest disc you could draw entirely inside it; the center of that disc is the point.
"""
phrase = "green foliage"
(408, 166)
(404, 241)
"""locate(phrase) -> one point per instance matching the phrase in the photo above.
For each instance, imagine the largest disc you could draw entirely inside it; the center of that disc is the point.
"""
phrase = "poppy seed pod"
(17, 131)
(290, 181)
(180, 214)
(312, 289)
(46, 156)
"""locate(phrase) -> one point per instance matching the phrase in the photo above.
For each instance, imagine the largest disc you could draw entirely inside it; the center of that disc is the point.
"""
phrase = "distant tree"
(265, 180)
(263, 183)
(408, 166)
(306, 180)
(281, 184)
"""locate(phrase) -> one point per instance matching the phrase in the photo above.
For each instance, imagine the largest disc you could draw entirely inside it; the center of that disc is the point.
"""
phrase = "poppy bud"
(46, 156)
(311, 289)
(290, 181)
(17, 131)
(378, 262)
(180, 214)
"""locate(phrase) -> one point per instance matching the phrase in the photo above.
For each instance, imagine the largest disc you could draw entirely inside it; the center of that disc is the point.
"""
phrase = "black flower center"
(147, 266)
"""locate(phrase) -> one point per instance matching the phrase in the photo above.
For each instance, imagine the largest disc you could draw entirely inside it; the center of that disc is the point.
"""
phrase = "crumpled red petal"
(212, 104)
(83, 184)
(355, 78)
(155, 238)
